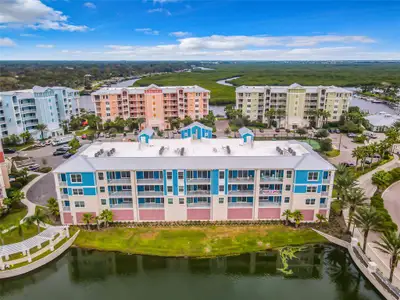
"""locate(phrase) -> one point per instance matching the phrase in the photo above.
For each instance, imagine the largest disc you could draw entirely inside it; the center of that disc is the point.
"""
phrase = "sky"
(199, 30)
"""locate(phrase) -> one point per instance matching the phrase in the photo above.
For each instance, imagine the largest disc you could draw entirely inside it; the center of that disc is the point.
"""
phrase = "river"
(319, 272)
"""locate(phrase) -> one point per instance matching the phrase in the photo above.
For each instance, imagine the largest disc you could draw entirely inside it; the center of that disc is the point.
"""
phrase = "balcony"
(198, 204)
(62, 183)
(241, 179)
(198, 192)
(150, 193)
(66, 208)
(240, 204)
(119, 181)
(150, 181)
(122, 205)
(120, 193)
(269, 204)
(323, 205)
(241, 192)
(151, 205)
(271, 179)
(325, 193)
(270, 192)
(326, 180)
(197, 180)
(64, 196)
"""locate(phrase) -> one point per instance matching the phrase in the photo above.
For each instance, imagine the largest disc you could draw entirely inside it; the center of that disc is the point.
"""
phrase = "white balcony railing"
(271, 179)
(66, 208)
(199, 192)
(241, 180)
(241, 192)
(119, 181)
(240, 204)
(270, 192)
(151, 205)
(323, 205)
(326, 180)
(197, 180)
(120, 194)
(150, 181)
(62, 183)
(325, 193)
(150, 193)
(198, 204)
(121, 205)
(269, 204)
(64, 196)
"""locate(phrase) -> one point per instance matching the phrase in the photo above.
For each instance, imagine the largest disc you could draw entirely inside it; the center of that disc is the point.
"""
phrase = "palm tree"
(87, 218)
(390, 244)
(39, 218)
(107, 216)
(140, 121)
(98, 220)
(321, 219)
(353, 198)
(25, 136)
(297, 217)
(42, 128)
(53, 208)
(360, 154)
(325, 115)
(2, 228)
(280, 113)
(287, 214)
(20, 229)
(367, 219)
(344, 182)
(269, 114)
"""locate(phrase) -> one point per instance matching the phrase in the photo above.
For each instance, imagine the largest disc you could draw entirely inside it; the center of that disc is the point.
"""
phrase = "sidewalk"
(31, 206)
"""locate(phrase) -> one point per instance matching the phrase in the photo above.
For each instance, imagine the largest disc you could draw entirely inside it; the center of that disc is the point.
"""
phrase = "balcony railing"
(119, 181)
(323, 205)
(151, 205)
(270, 178)
(64, 196)
(198, 180)
(270, 192)
(120, 193)
(198, 204)
(240, 204)
(199, 192)
(325, 193)
(241, 192)
(150, 193)
(62, 183)
(122, 205)
(150, 181)
(241, 179)
(66, 208)
(326, 180)
(269, 204)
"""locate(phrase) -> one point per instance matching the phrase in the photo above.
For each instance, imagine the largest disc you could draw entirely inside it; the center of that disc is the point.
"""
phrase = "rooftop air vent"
(215, 149)
(279, 150)
(96, 154)
(228, 149)
(160, 152)
(101, 151)
(182, 151)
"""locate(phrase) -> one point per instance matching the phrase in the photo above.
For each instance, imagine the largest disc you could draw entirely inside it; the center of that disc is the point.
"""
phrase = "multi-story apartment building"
(153, 103)
(194, 178)
(4, 180)
(297, 102)
(23, 110)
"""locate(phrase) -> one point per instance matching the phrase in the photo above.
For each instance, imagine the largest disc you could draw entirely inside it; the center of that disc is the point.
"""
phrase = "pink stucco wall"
(79, 216)
(308, 214)
(67, 218)
(269, 213)
(198, 214)
(151, 214)
(323, 212)
(122, 215)
(240, 213)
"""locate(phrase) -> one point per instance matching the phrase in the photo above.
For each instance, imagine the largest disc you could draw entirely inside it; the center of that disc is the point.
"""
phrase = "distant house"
(196, 130)
(381, 121)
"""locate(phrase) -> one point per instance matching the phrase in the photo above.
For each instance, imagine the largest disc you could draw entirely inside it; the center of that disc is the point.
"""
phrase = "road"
(391, 199)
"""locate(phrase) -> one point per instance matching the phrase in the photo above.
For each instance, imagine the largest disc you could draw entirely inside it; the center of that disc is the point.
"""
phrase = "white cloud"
(159, 10)
(28, 35)
(147, 31)
(180, 34)
(164, 1)
(89, 5)
(36, 15)
(45, 46)
(71, 51)
(6, 42)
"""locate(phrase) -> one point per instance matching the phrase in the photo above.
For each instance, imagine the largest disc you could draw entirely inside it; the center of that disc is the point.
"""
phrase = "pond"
(318, 272)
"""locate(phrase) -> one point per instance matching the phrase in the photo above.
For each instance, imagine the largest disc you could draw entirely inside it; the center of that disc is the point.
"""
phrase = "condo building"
(153, 103)
(4, 179)
(194, 178)
(23, 110)
(296, 103)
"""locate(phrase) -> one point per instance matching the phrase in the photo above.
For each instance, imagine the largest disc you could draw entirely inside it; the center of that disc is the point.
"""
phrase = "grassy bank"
(196, 241)
(13, 217)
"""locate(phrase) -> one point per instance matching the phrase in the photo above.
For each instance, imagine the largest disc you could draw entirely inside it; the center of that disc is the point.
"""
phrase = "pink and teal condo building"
(194, 178)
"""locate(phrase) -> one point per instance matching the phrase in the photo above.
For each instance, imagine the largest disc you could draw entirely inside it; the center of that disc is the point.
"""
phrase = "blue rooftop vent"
(145, 135)
(196, 130)
(246, 134)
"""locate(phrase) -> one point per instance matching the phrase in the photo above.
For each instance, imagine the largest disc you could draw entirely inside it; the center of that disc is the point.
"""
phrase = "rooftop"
(141, 90)
(195, 154)
(283, 89)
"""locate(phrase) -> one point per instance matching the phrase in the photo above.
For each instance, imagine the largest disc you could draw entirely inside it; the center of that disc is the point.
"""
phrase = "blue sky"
(199, 30)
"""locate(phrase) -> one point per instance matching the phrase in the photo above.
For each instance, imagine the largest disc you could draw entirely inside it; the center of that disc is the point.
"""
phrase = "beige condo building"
(295, 101)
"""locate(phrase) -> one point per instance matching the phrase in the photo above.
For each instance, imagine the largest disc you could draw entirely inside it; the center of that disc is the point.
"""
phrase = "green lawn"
(196, 241)
(13, 217)
(85, 131)
(333, 153)
(14, 237)
(19, 147)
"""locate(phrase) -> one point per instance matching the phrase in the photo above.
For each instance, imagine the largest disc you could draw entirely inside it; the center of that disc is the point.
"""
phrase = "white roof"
(382, 119)
(148, 131)
(244, 130)
(285, 89)
(140, 90)
(197, 154)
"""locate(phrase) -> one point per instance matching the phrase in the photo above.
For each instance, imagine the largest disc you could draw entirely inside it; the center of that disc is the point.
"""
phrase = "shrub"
(45, 169)
(16, 185)
(326, 145)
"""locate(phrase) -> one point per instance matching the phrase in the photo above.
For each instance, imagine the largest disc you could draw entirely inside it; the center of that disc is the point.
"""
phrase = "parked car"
(377, 156)
(346, 164)
(9, 151)
(107, 135)
(331, 130)
(67, 155)
(84, 137)
(214, 136)
(33, 167)
(277, 130)
(337, 130)
(261, 130)
(351, 135)
(48, 142)
(59, 152)
(101, 134)
(65, 147)
(368, 160)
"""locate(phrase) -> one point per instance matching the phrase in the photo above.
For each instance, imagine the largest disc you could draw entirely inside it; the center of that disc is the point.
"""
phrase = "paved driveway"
(392, 202)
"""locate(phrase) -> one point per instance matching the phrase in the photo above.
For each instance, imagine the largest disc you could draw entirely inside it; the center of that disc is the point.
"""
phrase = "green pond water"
(317, 272)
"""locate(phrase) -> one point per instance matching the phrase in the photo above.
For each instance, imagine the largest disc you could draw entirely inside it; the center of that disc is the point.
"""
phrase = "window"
(311, 189)
(287, 187)
(181, 189)
(313, 176)
(169, 189)
(103, 201)
(181, 201)
(102, 189)
(170, 201)
(221, 200)
(125, 174)
(221, 188)
(322, 200)
(310, 201)
(79, 204)
(221, 174)
(100, 176)
(287, 199)
(76, 178)
(288, 174)
(77, 192)
(180, 175)
(169, 175)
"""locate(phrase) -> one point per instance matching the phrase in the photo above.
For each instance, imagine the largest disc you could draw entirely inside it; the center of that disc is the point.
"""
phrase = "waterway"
(319, 272)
